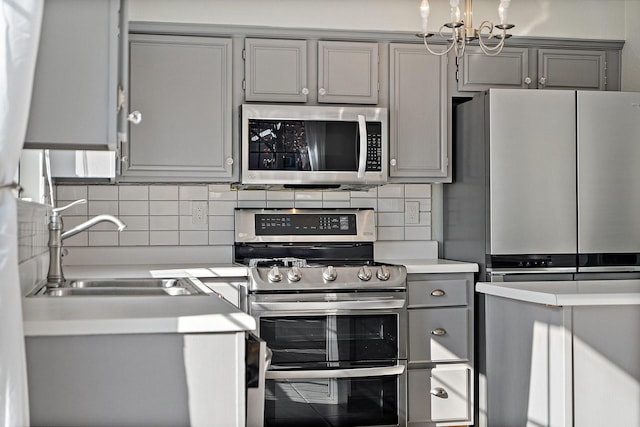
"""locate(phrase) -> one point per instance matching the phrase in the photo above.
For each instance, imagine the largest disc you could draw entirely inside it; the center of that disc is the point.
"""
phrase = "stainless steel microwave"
(314, 146)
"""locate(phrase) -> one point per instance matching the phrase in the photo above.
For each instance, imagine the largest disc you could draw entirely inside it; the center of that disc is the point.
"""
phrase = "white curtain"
(20, 22)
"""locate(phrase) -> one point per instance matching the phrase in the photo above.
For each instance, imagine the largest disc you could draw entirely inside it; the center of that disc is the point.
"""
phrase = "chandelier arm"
(490, 50)
(431, 51)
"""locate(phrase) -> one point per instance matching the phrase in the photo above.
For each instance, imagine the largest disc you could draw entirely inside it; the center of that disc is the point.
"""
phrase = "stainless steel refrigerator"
(546, 186)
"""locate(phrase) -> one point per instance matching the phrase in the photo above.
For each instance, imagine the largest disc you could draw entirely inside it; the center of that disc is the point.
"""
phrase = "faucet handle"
(77, 202)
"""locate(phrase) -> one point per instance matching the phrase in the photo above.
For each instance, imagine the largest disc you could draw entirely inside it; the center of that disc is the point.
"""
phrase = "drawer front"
(436, 293)
(439, 395)
(438, 335)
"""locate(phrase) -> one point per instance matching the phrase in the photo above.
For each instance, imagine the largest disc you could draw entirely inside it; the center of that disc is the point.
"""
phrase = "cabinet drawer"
(434, 293)
(438, 335)
(439, 395)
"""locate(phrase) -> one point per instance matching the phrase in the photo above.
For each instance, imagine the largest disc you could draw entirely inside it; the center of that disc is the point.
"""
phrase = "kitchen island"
(136, 360)
(562, 353)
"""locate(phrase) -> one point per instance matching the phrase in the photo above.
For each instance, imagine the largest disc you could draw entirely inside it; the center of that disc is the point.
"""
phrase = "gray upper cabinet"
(509, 69)
(181, 87)
(282, 70)
(419, 146)
(276, 70)
(571, 69)
(348, 72)
(74, 104)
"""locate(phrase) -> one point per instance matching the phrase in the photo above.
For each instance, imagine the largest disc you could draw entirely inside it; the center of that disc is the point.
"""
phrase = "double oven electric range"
(334, 320)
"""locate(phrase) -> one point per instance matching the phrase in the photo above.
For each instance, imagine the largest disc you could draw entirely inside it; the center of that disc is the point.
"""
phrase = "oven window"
(368, 401)
(319, 339)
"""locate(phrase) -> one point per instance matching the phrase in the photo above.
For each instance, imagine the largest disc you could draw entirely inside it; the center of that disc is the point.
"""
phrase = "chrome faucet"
(55, 277)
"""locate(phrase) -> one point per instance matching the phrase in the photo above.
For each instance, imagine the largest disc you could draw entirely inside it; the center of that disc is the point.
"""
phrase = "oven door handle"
(362, 161)
(299, 306)
(383, 371)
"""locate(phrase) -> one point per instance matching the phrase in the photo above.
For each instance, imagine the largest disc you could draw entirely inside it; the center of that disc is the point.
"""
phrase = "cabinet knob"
(135, 117)
(322, 91)
(439, 332)
(229, 161)
(439, 392)
(527, 80)
(124, 159)
(393, 162)
(305, 91)
(437, 293)
(542, 81)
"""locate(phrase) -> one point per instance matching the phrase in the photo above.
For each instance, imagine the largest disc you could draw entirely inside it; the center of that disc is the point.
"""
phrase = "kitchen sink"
(121, 287)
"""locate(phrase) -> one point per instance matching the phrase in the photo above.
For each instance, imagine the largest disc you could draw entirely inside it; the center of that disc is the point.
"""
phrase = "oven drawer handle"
(329, 305)
(336, 373)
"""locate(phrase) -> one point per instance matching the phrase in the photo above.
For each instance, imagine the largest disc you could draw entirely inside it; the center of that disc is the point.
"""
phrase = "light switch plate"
(412, 212)
(199, 213)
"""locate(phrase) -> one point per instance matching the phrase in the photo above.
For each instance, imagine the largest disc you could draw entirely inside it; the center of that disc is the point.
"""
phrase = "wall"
(32, 244)
(160, 216)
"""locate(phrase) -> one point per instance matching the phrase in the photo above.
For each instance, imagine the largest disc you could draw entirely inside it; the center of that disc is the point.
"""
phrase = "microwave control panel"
(374, 147)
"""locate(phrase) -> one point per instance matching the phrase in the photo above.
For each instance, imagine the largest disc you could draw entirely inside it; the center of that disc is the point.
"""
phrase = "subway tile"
(222, 208)
(417, 191)
(134, 238)
(307, 196)
(395, 219)
(222, 192)
(424, 220)
(103, 207)
(71, 192)
(103, 192)
(372, 192)
(164, 238)
(194, 237)
(335, 196)
(221, 238)
(220, 223)
(185, 207)
(168, 222)
(133, 192)
(417, 233)
(194, 192)
(390, 205)
(391, 190)
(335, 204)
(186, 223)
(280, 195)
(103, 238)
(390, 233)
(132, 207)
(78, 210)
(163, 207)
(163, 192)
(305, 204)
(220, 188)
(279, 204)
(79, 240)
(70, 221)
(135, 223)
(252, 195)
(364, 203)
(254, 204)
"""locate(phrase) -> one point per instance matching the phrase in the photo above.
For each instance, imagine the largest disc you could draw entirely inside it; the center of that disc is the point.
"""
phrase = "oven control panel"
(305, 224)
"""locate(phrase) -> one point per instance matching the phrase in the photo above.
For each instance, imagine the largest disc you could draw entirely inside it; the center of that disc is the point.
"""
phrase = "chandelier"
(463, 32)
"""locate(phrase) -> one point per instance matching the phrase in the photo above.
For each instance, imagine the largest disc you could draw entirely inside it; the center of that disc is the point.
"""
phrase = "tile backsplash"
(197, 215)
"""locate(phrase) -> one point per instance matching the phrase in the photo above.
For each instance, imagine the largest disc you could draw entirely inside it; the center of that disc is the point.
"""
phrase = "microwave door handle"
(362, 164)
(337, 373)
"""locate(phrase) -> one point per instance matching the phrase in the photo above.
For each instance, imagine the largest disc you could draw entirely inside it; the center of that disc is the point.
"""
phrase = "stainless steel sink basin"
(121, 287)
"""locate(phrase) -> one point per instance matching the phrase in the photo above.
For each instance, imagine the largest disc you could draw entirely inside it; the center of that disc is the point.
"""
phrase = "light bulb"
(502, 10)
(424, 14)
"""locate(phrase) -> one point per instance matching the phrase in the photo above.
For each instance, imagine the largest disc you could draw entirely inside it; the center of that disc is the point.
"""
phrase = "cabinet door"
(438, 335)
(182, 87)
(509, 69)
(571, 69)
(74, 104)
(348, 72)
(275, 70)
(418, 142)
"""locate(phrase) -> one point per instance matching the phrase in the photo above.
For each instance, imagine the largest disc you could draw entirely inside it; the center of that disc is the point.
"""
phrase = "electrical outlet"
(199, 213)
(412, 212)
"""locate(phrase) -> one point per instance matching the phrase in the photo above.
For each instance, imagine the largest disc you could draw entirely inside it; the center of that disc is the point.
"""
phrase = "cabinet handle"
(322, 91)
(437, 293)
(527, 80)
(135, 117)
(305, 91)
(393, 162)
(542, 81)
(440, 392)
(439, 332)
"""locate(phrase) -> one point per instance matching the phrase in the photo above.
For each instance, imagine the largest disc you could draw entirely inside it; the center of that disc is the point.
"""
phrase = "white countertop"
(567, 293)
(154, 270)
(433, 265)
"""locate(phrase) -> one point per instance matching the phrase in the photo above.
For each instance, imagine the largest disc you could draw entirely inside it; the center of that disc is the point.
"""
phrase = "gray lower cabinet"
(537, 68)
(440, 350)
(74, 104)
(419, 145)
(181, 88)
(278, 70)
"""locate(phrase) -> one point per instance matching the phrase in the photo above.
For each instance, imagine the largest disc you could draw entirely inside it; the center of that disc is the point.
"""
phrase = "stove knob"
(383, 273)
(329, 274)
(364, 273)
(274, 275)
(294, 274)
